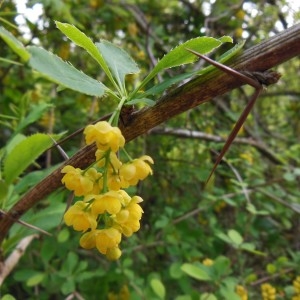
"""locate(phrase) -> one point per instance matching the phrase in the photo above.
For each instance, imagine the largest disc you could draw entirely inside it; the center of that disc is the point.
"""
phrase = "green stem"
(114, 119)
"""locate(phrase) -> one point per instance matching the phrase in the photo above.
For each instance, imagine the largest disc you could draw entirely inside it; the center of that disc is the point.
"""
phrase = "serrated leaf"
(195, 272)
(63, 73)
(161, 87)
(235, 237)
(158, 288)
(14, 44)
(81, 40)
(25, 153)
(180, 55)
(226, 39)
(119, 61)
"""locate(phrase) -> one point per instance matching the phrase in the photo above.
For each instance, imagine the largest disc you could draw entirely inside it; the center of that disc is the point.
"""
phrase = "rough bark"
(261, 57)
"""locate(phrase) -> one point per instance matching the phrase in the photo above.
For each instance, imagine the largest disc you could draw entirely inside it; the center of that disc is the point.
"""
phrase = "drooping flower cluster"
(106, 211)
(268, 292)
(242, 292)
(296, 285)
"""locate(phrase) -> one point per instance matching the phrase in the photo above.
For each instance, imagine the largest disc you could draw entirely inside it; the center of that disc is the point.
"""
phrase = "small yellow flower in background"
(242, 292)
(79, 181)
(268, 292)
(105, 136)
(124, 294)
(296, 285)
(207, 262)
(107, 239)
(80, 217)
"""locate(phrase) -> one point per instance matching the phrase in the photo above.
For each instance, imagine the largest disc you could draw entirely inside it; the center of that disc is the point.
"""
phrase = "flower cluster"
(242, 292)
(268, 292)
(105, 212)
(296, 285)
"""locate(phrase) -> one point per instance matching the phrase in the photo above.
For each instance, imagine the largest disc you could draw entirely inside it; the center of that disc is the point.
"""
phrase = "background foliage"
(246, 220)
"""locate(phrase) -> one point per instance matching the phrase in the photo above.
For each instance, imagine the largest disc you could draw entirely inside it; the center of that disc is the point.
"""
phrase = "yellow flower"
(107, 239)
(128, 219)
(80, 217)
(208, 262)
(114, 162)
(88, 240)
(113, 253)
(105, 136)
(136, 170)
(296, 284)
(109, 202)
(268, 292)
(79, 181)
(242, 292)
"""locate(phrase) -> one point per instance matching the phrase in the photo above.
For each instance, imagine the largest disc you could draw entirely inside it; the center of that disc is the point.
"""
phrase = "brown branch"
(9, 264)
(186, 133)
(261, 57)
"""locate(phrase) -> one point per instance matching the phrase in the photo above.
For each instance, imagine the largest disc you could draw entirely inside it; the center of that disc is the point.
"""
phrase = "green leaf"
(70, 263)
(35, 279)
(227, 289)
(8, 297)
(36, 111)
(251, 248)
(63, 235)
(208, 296)
(14, 44)
(119, 62)
(180, 55)
(81, 40)
(235, 237)
(161, 87)
(25, 153)
(221, 267)
(175, 270)
(195, 272)
(252, 209)
(68, 286)
(146, 101)
(224, 237)
(3, 190)
(63, 73)
(31, 179)
(48, 218)
(158, 288)
(226, 39)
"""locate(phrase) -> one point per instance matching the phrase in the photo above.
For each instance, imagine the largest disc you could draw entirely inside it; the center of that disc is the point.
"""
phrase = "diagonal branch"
(186, 133)
(261, 57)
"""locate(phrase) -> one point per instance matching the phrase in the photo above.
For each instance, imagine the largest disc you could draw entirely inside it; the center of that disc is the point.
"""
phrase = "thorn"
(60, 149)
